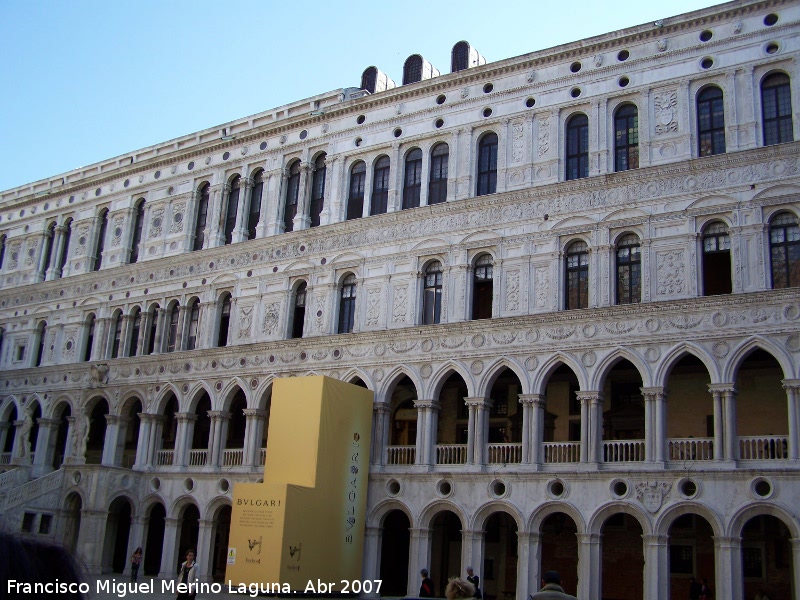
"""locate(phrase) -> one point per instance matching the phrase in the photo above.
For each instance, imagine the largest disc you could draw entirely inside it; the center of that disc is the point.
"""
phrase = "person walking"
(476, 581)
(551, 588)
(187, 575)
(426, 587)
(136, 560)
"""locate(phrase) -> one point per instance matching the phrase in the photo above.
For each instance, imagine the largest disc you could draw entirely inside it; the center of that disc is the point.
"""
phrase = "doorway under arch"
(395, 544)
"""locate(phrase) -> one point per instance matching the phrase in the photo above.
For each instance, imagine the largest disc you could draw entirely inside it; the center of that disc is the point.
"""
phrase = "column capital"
(219, 415)
(381, 408)
(653, 393)
(722, 388)
(653, 539)
(732, 542)
(254, 412)
(526, 537)
(791, 384)
(42, 422)
(432, 404)
(588, 538)
(115, 419)
(479, 401)
(532, 399)
(185, 417)
(590, 397)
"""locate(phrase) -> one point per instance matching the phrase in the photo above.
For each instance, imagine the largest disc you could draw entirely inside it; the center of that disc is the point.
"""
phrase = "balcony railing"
(562, 452)
(691, 449)
(401, 455)
(198, 458)
(763, 447)
(505, 453)
(451, 454)
(164, 458)
(233, 458)
(623, 450)
(262, 456)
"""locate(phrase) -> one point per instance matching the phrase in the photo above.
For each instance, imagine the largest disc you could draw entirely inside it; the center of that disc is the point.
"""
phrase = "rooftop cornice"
(540, 58)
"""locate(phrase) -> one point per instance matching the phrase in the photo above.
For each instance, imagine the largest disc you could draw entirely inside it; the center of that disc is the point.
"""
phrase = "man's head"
(551, 577)
(470, 572)
(424, 572)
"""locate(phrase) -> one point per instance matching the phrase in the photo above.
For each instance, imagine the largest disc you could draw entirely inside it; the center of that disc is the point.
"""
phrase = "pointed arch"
(443, 373)
(354, 372)
(494, 371)
(167, 391)
(743, 350)
(393, 377)
(675, 354)
(194, 394)
(262, 395)
(605, 366)
(227, 394)
(551, 364)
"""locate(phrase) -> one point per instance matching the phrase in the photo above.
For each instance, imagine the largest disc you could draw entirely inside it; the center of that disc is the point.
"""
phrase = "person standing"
(476, 581)
(551, 588)
(187, 575)
(426, 587)
(136, 560)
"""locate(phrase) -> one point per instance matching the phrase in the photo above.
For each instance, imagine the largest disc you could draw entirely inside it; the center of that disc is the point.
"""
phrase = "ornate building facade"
(570, 279)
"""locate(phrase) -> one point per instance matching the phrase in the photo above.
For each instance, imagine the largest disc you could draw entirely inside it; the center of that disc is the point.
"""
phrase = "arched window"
(202, 216)
(90, 326)
(380, 186)
(299, 316)
(151, 333)
(626, 138)
(710, 122)
(369, 79)
(49, 247)
(629, 270)
(136, 325)
(116, 330)
(412, 69)
(318, 190)
(255, 204)
(101, 239)
(432, 294)
(487, 164)
(437, 186)
(784, 247)
(577, 279)
(577, 147)
(347, 304)
(62, 259)
(194, 320)
(459, 57)
(776, 109)
(355, 200)
(232, 208)
(483, 287)
(716, 260)
(292, 196)
(172, 332)
(412, 184)
(41, 339)
(136, 237)
(224, 320)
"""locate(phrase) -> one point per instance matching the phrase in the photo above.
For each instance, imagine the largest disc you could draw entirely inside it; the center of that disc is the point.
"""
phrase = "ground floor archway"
(154, 546)
(395, 542)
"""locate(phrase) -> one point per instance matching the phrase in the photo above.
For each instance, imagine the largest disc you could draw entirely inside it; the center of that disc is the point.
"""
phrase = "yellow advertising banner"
(305, 523)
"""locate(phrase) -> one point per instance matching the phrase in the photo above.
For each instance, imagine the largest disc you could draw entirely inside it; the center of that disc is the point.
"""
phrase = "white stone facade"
(138, 392)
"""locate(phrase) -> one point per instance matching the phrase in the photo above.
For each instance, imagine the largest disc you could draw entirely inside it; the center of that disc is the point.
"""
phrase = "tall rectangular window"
(577, 147)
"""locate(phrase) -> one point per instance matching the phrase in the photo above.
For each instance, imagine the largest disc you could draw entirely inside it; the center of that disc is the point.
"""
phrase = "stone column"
(254, 433)
(728, 568)
(143, 443)
(54, 271)
(655, 422)
(792, 387)
(427, 421)
(420, 558)
(301, 219)
(472, 551)
(161, 326)
(795, 561)
(592, 428)
(183, 438)
(277, 180)
(90, 539)
(380, 432)
(368, 195)
(532, 428)
(45, 446)
(219, 426)
(478, 429)
(40, 271)
(99, 340)
(219, 195)
(110, 442)
(145, 323)
(169, 551)
(155, 441)
(242, 212)
(726, 444)
(181, 333)
(530, 556)
(371, 567)
(589, 573)
(205, 549)
(656, 566)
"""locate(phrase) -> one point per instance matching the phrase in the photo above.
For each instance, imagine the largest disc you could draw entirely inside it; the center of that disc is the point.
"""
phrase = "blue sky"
(84, 80)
